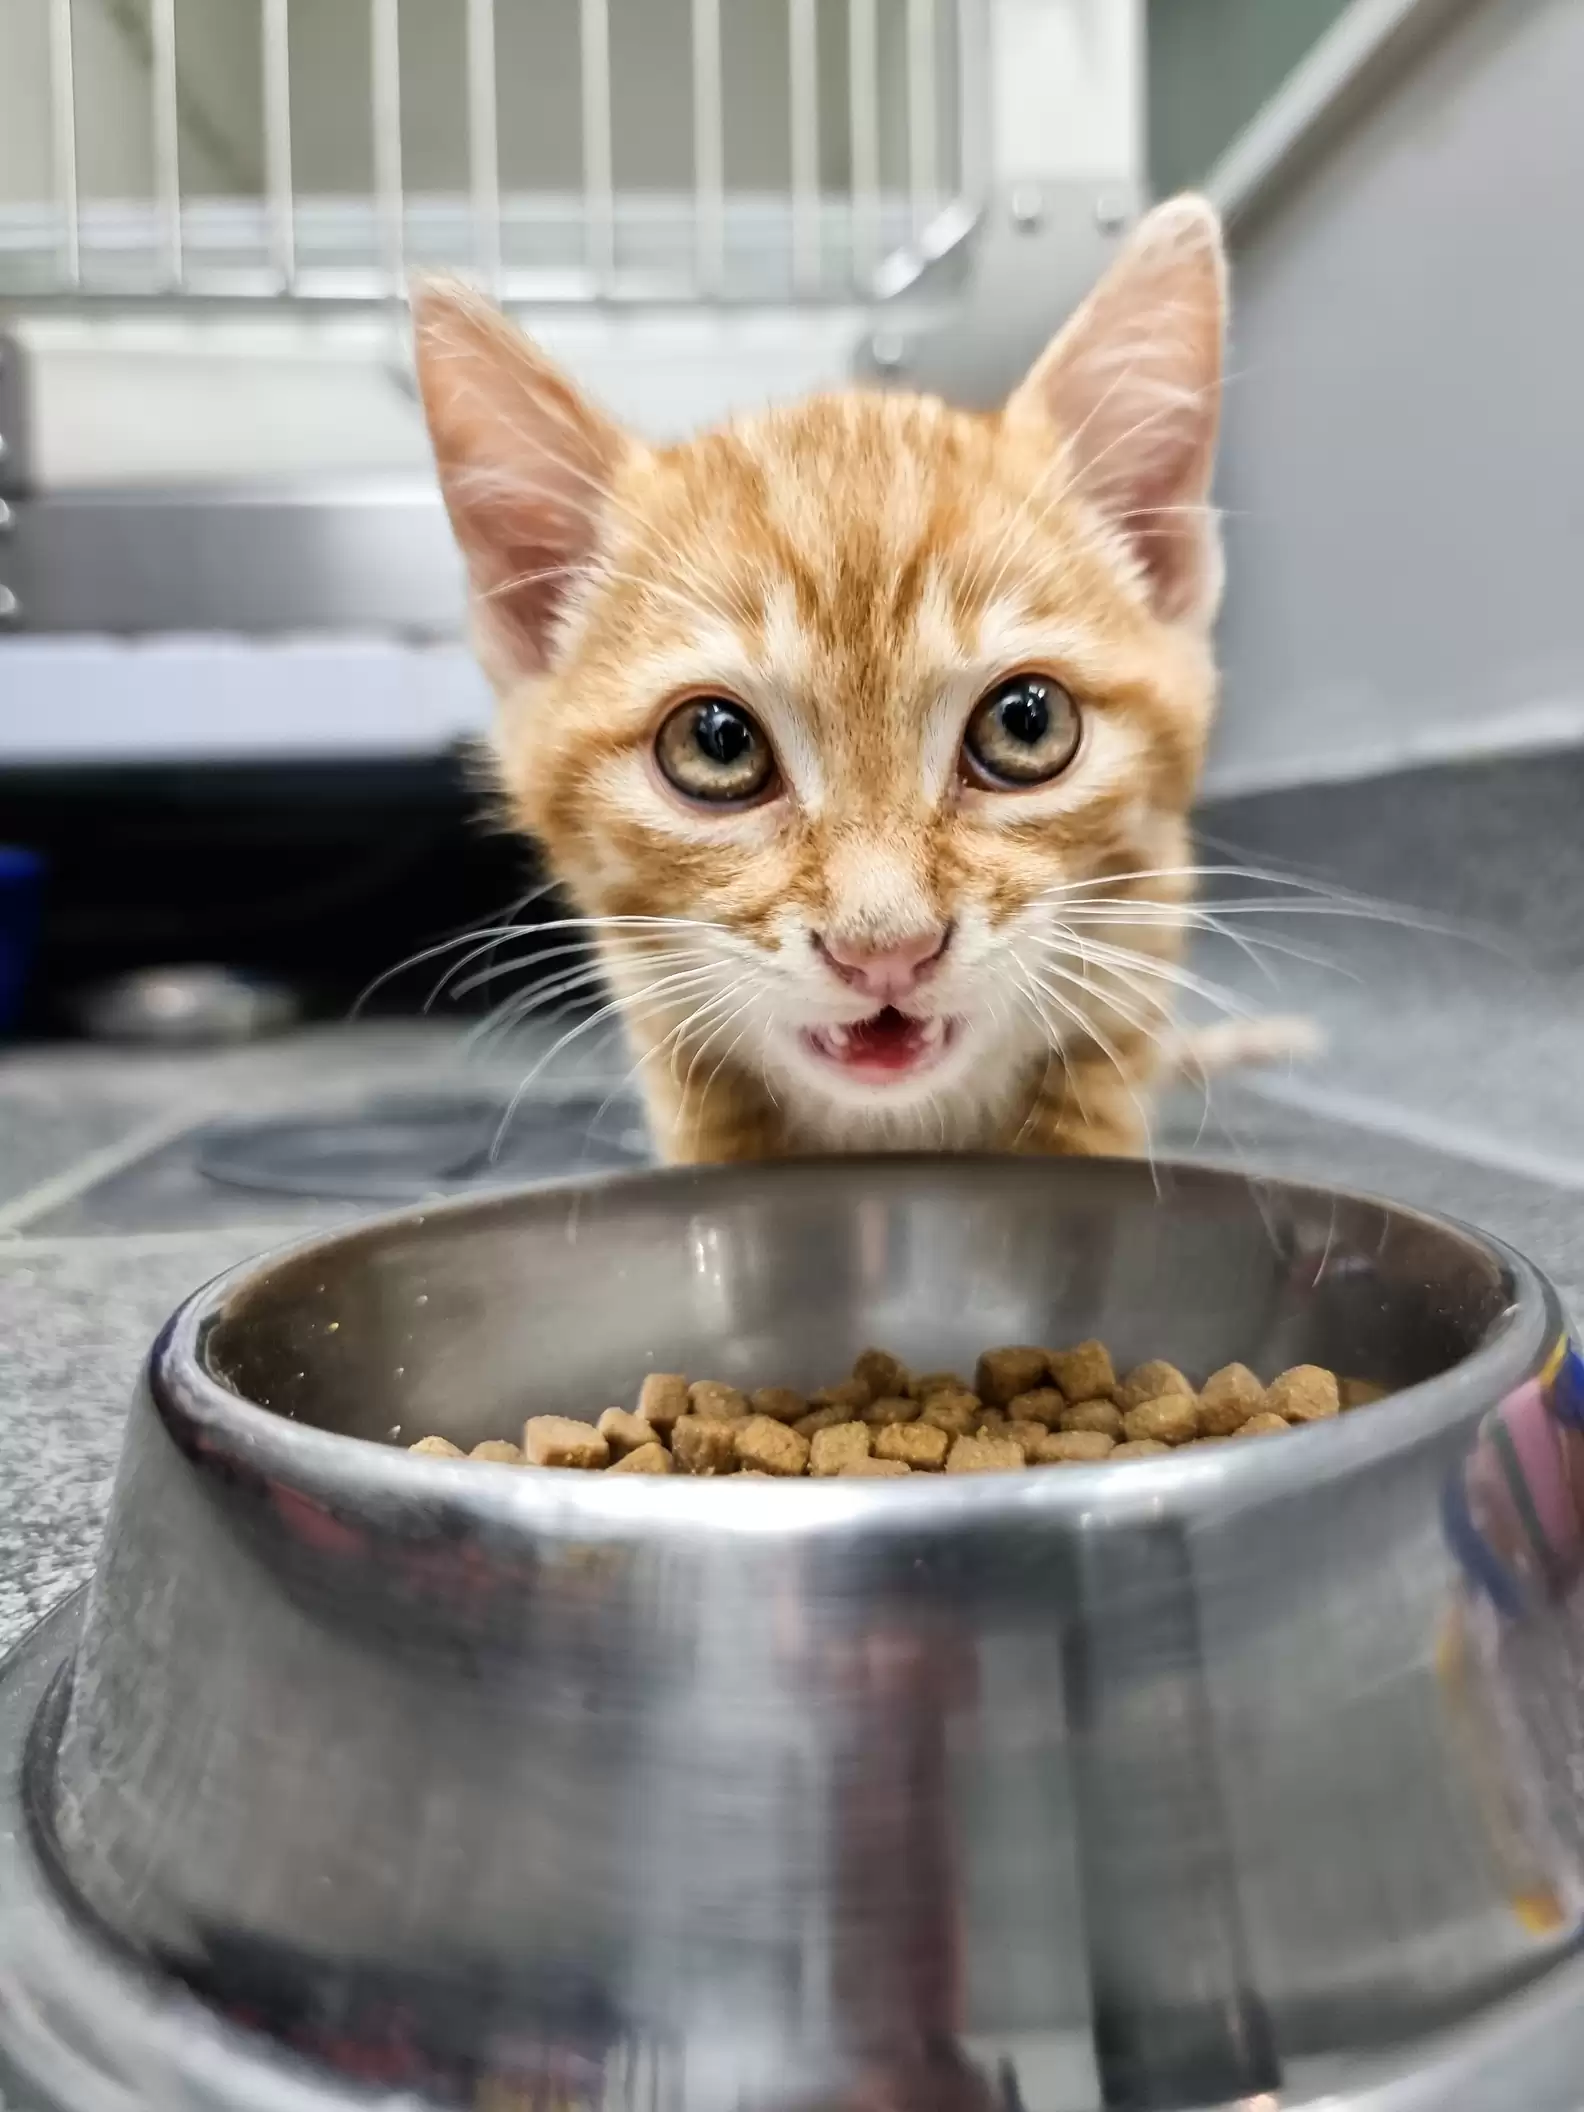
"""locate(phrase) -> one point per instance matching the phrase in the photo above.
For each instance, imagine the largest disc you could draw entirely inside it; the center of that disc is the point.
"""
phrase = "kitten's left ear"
(1132, 385)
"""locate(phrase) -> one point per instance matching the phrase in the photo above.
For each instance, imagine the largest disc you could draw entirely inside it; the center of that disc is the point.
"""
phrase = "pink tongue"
(890, 1040)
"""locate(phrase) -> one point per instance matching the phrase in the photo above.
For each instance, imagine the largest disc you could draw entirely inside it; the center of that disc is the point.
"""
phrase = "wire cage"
(555, 150)
(211, 210)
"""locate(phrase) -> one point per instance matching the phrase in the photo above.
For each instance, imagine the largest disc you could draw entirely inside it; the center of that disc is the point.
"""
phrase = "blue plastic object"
(21, 885)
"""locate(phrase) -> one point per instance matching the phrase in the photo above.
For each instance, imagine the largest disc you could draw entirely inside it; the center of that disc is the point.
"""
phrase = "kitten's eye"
(1023, 732)
(711, 749)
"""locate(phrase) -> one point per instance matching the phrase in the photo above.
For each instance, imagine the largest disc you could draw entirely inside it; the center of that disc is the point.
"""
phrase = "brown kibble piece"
(984, 1455)
(1140, 1448)
(876, 1469)
(1104, 1416)
(1305, 1394)
(648, 1459)
(704, 1444)
(838, 1449)
(562, 1441)
(625, 1433)
(662, 1397)
(955, 1411)
(891, 1408)
(919, 1445)
(500, 1450)
(1002, 1374)
(781, 1402)
(1261, 1425)
(1228, 1398)
(771, 1447)
(1025, 1436)
(1172, 1419)
(1147, 1382)
(818, 1419)
(716, 1402)
(880, 1372)
(1360, 1393)
(850, 1395)
(437, 1448)
(929, 1383)
(1084, 1372)
(1059, 1448)
(1043, 1405)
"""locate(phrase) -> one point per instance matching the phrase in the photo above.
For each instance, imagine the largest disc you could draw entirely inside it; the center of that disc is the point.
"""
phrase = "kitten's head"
(866, 692)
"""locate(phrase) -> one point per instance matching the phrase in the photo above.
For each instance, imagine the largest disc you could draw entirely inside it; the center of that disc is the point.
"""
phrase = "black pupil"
(1024, 712)
(723, 734)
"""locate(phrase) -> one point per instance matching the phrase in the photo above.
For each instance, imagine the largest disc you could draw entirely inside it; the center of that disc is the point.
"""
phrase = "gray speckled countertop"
(1451, 1079)
(106, 1224)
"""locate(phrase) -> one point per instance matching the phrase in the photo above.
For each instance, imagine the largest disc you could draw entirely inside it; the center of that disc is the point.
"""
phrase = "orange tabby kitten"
(867, 727)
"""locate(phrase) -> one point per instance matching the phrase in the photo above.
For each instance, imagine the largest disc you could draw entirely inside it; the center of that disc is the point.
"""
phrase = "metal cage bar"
(709, 149)
(484, 140)
(923, 122)
(275, 30)
(599, 178)
(385, 114)
(63, 139)
(803, 89)
(166, 121)
(863, 89)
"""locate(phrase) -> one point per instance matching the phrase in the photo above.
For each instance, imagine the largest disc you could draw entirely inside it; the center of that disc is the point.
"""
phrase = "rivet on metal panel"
(1111, 214)
(887, 351)
(10, 607)
(1027, 207)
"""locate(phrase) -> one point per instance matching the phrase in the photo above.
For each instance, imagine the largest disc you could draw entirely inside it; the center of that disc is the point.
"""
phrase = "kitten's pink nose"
(885, 973)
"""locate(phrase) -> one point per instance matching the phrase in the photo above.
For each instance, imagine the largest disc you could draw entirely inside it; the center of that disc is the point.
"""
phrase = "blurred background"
(235, 710)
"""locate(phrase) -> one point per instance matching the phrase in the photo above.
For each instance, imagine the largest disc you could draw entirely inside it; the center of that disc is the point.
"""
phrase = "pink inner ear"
(526, 545)
(525, 464)
(1133, 384)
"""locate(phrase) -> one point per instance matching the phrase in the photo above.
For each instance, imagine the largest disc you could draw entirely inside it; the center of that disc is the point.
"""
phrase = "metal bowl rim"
(352, 1471)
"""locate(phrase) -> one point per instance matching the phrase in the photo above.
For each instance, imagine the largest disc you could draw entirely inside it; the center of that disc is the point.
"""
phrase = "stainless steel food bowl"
(1181, 1784)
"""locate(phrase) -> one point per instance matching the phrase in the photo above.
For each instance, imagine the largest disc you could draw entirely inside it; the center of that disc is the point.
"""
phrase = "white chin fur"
(953, 1101)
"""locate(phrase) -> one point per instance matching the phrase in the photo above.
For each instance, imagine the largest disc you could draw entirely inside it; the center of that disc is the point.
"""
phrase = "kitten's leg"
(1089, 1106)
(728, 1120)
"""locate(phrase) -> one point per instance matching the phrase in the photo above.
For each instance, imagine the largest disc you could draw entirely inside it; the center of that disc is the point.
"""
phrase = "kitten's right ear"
(525, 464)
(1132, 388)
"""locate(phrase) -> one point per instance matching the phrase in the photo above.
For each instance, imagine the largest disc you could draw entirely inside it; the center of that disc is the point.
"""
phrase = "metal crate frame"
(868, 240)
(277, 545)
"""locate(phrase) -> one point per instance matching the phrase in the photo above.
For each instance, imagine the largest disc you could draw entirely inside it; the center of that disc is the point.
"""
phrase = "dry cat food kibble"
(1026, 1407)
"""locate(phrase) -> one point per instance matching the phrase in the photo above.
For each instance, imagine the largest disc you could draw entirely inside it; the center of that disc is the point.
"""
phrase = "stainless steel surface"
(1122, 1788)
(366, 558)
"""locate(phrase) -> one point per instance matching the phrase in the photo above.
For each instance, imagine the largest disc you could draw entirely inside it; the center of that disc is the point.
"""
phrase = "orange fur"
(857, 570)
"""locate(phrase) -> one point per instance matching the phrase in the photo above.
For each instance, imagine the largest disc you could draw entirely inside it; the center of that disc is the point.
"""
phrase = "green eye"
(712, 749)
(1023, 732)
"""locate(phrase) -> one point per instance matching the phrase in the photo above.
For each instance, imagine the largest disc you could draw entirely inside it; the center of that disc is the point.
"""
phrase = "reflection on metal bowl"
(1065, 1790)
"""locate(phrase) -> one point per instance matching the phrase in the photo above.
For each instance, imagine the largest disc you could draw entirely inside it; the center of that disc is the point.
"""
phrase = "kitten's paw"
(1236, 1044)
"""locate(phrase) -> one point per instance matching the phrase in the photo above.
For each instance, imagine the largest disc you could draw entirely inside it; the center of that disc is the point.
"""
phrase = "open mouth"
(887, 1045)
